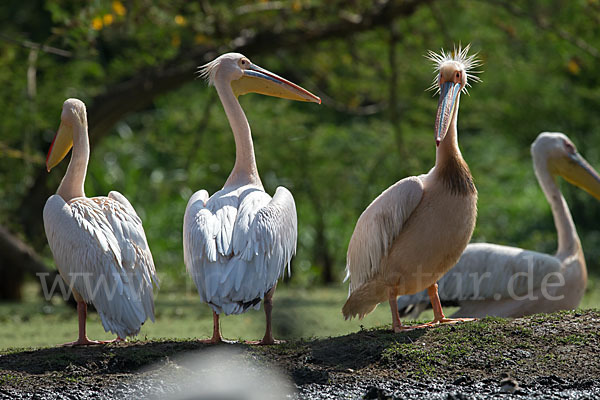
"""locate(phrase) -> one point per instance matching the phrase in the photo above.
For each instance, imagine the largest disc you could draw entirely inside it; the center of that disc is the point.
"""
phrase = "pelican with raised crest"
(98, 243)
(416, 230)
(505, 281)
(238, 242)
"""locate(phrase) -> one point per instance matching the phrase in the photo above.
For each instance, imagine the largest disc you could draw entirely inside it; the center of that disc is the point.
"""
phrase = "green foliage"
(538, 74)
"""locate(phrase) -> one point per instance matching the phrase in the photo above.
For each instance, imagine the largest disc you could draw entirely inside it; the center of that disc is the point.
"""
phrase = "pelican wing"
(100, 249)
(487, 272)
(237, 244)
(378, 226)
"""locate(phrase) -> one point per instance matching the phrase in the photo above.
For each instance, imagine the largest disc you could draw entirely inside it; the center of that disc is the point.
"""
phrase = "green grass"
(297, 313)
(180, 314)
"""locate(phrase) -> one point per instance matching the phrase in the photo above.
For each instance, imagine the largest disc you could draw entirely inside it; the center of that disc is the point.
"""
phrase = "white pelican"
(237, 243)
(98, 243)
(504, 281)
(416, 230)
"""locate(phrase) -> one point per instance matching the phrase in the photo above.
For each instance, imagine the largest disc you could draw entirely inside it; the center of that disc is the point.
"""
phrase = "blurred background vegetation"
(158, 135)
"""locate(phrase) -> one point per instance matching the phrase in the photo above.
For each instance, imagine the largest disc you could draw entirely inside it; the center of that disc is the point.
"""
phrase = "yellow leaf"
(107, 19)
(200, 38)
(97, 24)
(180, 20)
(573, 67)
(175, 41)
(119, 8)
(296, 5)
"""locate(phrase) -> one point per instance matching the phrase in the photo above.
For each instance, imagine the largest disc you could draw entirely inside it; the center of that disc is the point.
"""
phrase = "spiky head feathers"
(458, 59)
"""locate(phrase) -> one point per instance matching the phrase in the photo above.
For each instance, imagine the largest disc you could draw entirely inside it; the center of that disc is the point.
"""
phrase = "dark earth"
(554, 356)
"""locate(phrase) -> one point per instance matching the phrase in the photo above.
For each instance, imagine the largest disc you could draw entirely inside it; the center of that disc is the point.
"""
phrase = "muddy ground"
(542, 356)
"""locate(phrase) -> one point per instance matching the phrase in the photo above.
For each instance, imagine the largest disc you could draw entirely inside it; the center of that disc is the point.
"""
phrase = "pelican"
(237, 243)
(98, 243)
(416, 230)
(504, 281)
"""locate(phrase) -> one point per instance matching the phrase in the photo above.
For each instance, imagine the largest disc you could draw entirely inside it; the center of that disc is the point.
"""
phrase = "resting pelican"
(415, 231)
(237, 243)
(504, 281)
(98, 243)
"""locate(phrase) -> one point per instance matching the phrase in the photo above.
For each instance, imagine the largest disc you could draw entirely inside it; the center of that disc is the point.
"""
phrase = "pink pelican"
(416, 230)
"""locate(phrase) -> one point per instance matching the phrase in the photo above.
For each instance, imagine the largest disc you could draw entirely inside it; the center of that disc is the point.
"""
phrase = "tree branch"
(138, 92)
(547, 26)
(36, 46)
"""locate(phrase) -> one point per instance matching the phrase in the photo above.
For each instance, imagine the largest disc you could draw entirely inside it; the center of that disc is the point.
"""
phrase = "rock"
(509, 385)
(376, 393)
(465, 379)
(456, 396)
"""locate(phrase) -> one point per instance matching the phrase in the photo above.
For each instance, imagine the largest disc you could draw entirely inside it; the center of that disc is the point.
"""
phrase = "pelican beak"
(581, 174)
(259, 80)
(61, 144)
(449, 92)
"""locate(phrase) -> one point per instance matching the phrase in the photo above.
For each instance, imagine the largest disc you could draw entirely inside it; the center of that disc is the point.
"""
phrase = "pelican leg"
(396, 324)
(438, 313)
(268, 305)
(83, 339)
(216, 337)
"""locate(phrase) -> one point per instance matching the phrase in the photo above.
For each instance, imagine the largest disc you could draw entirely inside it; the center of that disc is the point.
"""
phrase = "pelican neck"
(72, 184)
(245, 170)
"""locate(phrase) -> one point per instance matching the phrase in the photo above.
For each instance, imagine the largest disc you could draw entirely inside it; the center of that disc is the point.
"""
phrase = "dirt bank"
(537, 356)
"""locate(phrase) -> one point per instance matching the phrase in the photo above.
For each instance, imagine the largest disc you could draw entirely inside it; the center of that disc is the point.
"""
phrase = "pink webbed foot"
(82, 342)
(442, 321)
(265, 342)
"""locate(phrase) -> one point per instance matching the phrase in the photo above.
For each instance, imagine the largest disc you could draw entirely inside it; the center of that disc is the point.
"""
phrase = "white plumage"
(101, 251)
(237, 244)
(487, 272)
(98, 243)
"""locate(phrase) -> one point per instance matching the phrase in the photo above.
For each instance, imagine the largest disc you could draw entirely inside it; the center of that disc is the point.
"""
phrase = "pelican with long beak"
(98, 243)
(416, 230)
(238, 242)
(504, 281)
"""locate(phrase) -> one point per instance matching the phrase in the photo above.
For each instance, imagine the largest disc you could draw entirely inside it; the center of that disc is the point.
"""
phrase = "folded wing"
(237, 245)
(101, 251)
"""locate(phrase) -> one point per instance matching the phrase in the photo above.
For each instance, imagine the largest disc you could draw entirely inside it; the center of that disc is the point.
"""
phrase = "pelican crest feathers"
(459, 55)
(207, 71)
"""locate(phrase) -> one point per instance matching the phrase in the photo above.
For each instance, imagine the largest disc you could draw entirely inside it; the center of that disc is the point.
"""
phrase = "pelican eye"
(570, 147)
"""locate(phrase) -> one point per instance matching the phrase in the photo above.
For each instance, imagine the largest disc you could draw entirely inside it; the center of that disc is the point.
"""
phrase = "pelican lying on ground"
(416, 230)
(237, 243)
(98, 243)
(504, 281)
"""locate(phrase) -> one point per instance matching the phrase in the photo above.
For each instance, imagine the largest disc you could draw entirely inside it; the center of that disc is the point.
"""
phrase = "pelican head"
(453, 72)
(73, 113)
(561, 158)
(246, 77)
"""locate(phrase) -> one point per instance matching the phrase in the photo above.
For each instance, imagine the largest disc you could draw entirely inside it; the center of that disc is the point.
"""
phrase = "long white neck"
(71, 185)
(244, 171)
(568, 241)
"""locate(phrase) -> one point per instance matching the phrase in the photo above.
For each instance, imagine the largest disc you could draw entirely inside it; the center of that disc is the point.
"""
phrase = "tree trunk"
(18, 260)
